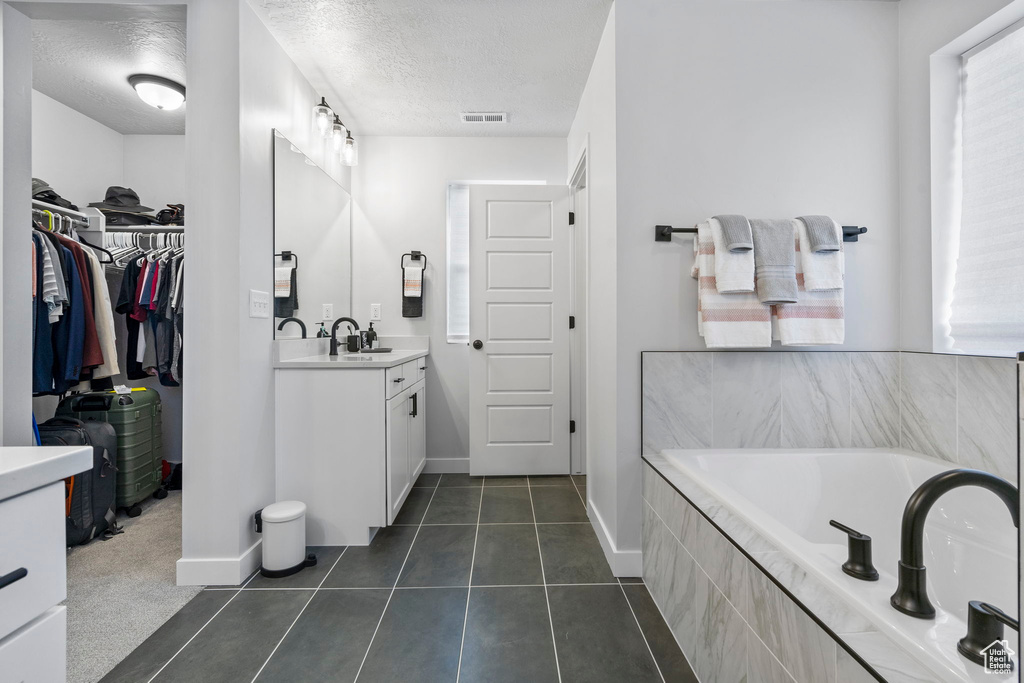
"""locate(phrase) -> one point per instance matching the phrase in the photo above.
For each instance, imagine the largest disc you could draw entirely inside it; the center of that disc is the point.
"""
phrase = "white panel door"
(519, 329)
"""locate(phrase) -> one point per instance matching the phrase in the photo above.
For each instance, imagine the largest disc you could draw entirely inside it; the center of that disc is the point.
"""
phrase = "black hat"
(121, 199)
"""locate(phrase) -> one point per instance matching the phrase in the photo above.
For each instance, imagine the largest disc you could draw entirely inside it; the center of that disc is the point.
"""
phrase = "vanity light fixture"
(350, 152)
(337, 134)
(159, 92)
(322, 115)
(330, 125)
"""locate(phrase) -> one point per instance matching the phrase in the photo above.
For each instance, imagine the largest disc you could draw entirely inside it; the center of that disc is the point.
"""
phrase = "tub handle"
(858, 563)
(984, 627)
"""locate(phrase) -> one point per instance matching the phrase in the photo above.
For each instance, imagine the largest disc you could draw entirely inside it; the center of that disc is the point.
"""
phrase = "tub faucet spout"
(911, 596)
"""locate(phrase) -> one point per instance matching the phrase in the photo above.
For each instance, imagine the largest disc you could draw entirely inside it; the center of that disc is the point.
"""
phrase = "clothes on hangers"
(153, 316)
(72, 320)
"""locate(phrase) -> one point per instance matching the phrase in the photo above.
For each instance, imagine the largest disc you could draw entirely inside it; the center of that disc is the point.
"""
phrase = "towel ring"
(288, 256)
(414, 256)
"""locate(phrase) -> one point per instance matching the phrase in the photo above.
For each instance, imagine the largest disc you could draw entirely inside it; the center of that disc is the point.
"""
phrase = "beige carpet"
(121, 590)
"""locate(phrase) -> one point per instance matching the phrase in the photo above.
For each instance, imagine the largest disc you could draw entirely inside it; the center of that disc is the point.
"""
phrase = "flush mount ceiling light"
(159, 92)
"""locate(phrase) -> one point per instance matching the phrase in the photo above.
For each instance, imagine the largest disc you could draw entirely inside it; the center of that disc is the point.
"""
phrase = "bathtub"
(789, 496)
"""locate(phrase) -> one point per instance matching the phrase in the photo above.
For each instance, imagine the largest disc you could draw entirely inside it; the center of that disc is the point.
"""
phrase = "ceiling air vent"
(483, 117)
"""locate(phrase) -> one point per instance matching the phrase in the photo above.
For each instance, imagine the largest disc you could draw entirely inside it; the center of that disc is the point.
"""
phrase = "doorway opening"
(108, 171)
(579, 279)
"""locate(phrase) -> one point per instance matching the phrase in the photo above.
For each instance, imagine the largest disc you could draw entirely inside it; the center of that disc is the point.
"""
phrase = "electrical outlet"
(328, 312)
(375, 312)
(259, 304)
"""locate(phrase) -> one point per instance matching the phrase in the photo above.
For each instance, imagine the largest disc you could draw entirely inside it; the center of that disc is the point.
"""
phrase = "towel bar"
(663, 233)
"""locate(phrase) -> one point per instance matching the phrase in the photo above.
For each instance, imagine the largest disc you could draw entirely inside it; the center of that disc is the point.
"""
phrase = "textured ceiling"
(408, 67)
(82, 58)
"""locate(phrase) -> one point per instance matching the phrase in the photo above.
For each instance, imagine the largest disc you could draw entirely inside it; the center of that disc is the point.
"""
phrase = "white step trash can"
(283, 526)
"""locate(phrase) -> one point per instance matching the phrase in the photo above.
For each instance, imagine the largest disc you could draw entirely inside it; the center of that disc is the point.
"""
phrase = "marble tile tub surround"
(959, 408)
(739, 609)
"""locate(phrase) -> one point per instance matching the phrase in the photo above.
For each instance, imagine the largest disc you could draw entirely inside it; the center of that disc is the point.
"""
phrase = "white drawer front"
(32, 538)
(37, 653)
(417, 369)
(397, 380)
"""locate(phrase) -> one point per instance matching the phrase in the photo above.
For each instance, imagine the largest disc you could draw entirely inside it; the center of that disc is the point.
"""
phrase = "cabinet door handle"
(423, 368)
(415, 405)
(17, 575)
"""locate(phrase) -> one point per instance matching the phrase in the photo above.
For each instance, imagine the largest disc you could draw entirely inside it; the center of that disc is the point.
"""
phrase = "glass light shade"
(322, 116)
(157, 92)
(337, 135)
(350, 152)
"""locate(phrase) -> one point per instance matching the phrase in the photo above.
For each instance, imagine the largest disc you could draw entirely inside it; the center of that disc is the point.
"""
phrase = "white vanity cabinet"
(33, 560)
(350, 440)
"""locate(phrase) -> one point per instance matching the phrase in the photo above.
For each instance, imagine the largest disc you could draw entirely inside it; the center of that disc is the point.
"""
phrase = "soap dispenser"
(371, 338)
(322, 332)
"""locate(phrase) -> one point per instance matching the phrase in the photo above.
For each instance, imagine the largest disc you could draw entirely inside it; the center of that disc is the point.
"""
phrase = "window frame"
(946, 114)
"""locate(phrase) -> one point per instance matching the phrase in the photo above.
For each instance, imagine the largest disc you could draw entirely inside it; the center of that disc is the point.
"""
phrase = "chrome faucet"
(911, 596)
(334, 332)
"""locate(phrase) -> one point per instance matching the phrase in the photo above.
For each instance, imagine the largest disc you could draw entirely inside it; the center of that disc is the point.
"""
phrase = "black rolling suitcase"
(90, 495)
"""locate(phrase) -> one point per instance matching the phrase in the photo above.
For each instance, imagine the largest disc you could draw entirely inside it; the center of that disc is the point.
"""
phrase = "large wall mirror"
(312, 242)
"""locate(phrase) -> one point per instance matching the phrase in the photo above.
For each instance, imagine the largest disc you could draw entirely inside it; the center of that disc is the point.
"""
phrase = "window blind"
(458, 264)
(987, 313)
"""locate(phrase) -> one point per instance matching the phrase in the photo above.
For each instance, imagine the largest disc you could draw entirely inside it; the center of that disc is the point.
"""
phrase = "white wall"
(78, 156)
(399, 204)
(759, 108)
(156, 166)
(228, 419)
(15, 269)
(594, 126)
(925, 26)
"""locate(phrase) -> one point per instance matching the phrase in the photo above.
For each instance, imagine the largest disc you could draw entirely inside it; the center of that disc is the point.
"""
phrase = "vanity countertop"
(350, 361)
(24, 468)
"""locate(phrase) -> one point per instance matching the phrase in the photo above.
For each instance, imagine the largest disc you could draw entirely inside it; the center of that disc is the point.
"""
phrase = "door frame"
(579, 307)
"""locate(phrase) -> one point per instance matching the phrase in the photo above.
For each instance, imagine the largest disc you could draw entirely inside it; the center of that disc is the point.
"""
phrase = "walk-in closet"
(109, 262)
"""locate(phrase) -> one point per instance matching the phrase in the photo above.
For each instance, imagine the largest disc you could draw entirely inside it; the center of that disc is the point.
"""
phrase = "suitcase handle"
(90, 403)
(68, 421)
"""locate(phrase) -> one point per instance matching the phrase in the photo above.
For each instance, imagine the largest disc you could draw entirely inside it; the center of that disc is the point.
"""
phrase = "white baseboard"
(219, 571)
(622, 562)
(446, 465)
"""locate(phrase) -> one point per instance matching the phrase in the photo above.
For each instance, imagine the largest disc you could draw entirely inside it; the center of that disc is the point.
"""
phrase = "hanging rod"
(145, 228)
(663, 233)
(82, 222)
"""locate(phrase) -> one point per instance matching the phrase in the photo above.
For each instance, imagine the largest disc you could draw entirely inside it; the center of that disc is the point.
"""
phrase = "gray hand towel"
(821, 233)
(774, 260)
(736, 230)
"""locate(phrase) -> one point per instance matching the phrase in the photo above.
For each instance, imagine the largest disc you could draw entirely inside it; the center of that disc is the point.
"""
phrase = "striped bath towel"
(816, 319)
(726, 321)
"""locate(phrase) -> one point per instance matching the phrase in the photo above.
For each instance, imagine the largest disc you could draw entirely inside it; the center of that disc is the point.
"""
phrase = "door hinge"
(572, 426)
(572, 322)
(572, 218)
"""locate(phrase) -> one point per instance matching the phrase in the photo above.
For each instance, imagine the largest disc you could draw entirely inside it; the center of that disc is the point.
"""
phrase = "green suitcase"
(136, 418)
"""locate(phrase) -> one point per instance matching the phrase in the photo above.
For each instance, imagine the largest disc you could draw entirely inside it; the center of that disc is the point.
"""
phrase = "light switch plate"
(328, 312)
(375, 312)
(259, 304)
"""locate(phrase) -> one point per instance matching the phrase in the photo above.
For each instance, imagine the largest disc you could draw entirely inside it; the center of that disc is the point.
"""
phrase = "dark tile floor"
(496, 579)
